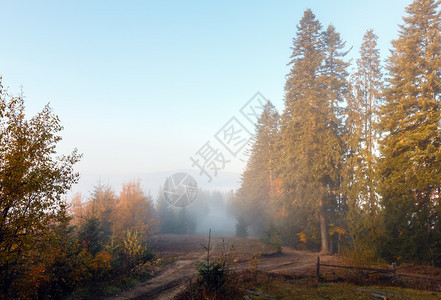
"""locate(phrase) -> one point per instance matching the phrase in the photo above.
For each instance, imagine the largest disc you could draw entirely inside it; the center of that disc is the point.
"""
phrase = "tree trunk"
(323, 228)
(339, 244)
(331, 244)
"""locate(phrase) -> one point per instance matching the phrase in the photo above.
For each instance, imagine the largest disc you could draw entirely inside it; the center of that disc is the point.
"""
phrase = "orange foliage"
(37, 276)
(133, 211)
(101, 261)
(302, 237)
(280, 214)
(294, 202)
(276, 189)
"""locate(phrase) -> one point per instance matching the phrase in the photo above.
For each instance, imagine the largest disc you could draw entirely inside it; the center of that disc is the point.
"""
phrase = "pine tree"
(334, 70)
(303, 89)
(361, 185)
(311, 136)
(253, 197)
(101, 205)
(335, 75)
(410, 123)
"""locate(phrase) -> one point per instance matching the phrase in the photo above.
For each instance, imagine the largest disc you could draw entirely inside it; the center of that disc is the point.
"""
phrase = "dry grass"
(292, 287)
(287, 287)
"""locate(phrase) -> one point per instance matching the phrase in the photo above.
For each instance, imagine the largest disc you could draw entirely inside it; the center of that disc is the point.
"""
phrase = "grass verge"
(288, 287)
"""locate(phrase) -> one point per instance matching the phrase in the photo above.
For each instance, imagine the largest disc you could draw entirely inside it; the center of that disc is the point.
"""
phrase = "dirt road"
(164, 286)
(186, 251)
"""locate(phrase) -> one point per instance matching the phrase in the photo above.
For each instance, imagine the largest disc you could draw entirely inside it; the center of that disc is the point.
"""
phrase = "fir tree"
(253, 197)
(410, 123)
(311, 138)
(361, 185)
(335, 75)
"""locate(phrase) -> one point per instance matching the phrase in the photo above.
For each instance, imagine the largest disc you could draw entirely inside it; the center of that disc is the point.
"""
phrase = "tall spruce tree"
(410, 123)
(253, 197)
(310, 126)
(335, 75)
(361, 184)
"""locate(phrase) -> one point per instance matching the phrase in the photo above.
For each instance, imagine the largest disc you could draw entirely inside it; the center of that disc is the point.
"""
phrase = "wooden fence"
(392, 271)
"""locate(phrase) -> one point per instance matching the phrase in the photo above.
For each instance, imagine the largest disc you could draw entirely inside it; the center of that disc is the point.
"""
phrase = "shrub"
(272, 238)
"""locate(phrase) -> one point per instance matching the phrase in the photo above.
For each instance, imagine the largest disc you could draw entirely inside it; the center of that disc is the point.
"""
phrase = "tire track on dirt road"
(292, 261)
(167, 284)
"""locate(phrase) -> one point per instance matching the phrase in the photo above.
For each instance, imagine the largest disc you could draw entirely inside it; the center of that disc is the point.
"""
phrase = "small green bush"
(272, 238)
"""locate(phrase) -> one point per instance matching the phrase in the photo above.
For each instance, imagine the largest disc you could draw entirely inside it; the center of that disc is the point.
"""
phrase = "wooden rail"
(392, 271)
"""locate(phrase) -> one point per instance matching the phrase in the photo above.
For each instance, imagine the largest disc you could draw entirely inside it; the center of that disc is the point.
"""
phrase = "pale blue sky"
(140, 86)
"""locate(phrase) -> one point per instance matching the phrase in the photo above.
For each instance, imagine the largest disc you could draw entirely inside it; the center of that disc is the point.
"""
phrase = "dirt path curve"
(293, 262)
(187, 252)
(166, 285)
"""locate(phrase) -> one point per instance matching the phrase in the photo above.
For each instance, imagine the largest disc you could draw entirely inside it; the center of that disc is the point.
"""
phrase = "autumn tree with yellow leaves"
(33, 179)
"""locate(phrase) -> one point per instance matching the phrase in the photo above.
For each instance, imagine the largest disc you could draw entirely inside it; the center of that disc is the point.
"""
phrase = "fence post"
(394, 269)
(318, 268)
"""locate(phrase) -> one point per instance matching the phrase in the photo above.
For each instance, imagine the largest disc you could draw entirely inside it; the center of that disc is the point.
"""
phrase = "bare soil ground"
(186, 251)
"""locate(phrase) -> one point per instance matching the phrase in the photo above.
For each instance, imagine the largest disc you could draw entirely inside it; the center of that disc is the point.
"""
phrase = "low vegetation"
(287, 287)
